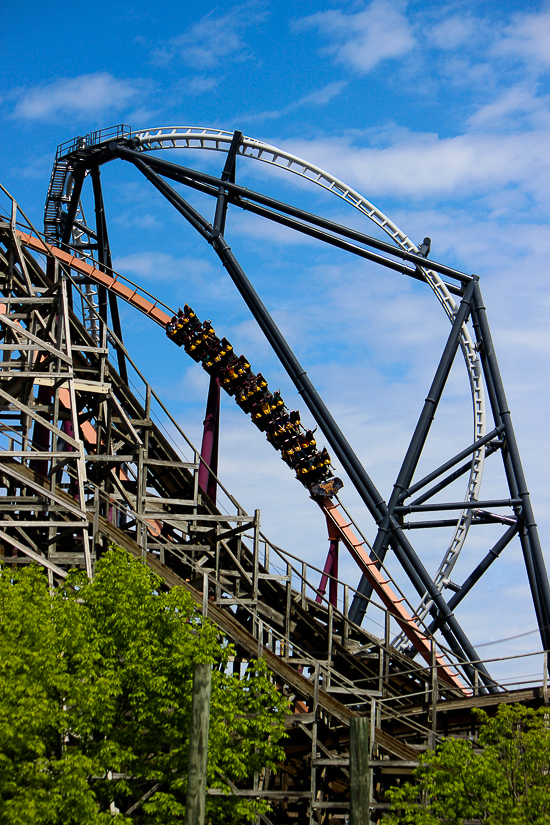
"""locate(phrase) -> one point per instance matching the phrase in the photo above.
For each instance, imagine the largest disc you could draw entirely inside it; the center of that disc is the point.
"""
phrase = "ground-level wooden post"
(198, 745)
(359, 790)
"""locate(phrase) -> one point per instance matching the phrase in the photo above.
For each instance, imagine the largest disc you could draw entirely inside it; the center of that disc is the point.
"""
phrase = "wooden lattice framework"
(84, 463)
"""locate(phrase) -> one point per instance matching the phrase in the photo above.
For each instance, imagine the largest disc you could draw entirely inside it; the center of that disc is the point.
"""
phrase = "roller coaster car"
(182, 324)
(327, 489)
(262, 412)
(315, 468)
(244, 364)
(277, 434)
(197, 347)
(281, 431)
(226, 355)
(211, 355)
(235, 378)
(308, 443)
(268, 411)
(242, 399)
(289, 458)
(253, 391)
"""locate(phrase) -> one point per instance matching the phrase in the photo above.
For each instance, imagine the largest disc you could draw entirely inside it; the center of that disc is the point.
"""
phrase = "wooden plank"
(34, 556)
(392, 745)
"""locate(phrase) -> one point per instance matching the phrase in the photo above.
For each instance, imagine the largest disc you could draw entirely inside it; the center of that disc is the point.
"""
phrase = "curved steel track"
(76, 158)
(204, 138)
(217, 140)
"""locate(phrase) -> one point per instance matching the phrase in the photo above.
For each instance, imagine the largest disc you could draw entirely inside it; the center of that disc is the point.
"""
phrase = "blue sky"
(436, 112)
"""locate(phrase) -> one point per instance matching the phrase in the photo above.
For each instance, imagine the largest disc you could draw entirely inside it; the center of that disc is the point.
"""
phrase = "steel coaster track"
(206, 138)
(88, 153)
(93, 155)
(174, 137)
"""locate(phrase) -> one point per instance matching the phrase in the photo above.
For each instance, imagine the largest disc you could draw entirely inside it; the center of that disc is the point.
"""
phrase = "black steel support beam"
(412, 272)
(508, 469)
(478, 572)
(415, 273)
(418, 440)
(534, 560)
(492, 448)
(105, 263)
(184, 175)
(183, 207)
(457, 505)
(446, 522)
(451, 463)
(484, 565)
(102, 241)
(228, 174)
(78, 179)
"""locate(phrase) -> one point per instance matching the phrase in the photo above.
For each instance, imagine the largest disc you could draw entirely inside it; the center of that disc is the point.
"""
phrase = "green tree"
(95, 699)
(502, 779)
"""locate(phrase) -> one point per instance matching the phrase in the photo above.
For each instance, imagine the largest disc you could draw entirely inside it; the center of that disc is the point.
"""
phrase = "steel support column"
(416, 446)
(534, 560)
(105, 262)
(210, 441)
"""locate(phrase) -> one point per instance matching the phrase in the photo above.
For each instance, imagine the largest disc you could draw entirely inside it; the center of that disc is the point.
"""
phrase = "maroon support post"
(210, 440)
(330, 569)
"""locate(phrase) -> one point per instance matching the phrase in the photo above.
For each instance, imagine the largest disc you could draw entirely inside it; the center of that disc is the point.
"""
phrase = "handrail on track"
(113, 282)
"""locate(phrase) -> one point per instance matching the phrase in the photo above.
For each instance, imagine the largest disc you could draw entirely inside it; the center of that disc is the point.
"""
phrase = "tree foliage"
(502, 779)
(95, 701)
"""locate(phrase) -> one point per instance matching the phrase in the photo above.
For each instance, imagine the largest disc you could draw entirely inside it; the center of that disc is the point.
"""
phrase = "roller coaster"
(85, 462)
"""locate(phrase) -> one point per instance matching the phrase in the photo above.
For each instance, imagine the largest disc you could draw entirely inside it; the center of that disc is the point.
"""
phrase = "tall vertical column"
(210, 441)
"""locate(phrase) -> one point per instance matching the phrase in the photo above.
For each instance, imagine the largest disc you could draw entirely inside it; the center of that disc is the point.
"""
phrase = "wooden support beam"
(198, 745)
(359, 784)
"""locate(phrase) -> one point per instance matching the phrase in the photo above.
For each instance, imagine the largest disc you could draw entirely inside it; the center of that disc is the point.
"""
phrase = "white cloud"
(77, 96)
(322, 96)
(212, 39)
(528, 37)
(364, 39)
(427, 165)
(511, 109)
(454, 31)
(199, 84)
(162, 267)
(319, 97)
